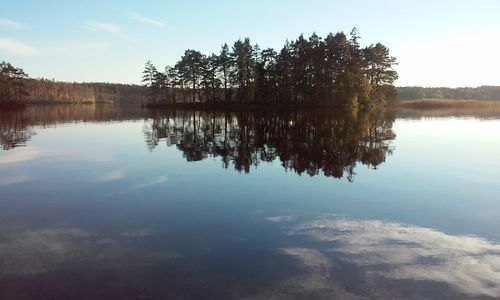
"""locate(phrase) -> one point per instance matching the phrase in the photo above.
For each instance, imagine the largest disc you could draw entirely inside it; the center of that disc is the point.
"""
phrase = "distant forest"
(43, 90)
(334, 70)
(480, 93)
(15, 85)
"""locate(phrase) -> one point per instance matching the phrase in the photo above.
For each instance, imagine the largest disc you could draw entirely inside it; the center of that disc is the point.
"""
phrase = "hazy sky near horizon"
(437, 43)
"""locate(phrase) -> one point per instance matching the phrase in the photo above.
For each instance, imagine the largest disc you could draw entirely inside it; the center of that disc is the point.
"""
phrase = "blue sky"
(437, 43)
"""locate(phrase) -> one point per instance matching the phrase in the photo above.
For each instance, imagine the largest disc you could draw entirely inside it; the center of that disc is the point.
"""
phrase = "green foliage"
(379, 65)
(311, 70)
(12, 82)
(158, 82)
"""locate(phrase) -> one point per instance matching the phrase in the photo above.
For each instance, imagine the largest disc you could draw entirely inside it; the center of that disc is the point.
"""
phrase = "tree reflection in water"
(15, 130)
(17, 127)
(311, 142)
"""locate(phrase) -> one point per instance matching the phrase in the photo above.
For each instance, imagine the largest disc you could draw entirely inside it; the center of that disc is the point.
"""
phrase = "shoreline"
(446, 103)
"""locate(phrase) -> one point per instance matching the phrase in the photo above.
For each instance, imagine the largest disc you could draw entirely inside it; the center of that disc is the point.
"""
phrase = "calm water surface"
(101, 203)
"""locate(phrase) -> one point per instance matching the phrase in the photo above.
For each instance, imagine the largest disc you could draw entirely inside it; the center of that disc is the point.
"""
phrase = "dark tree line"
(44, 90)
(311, 142)
(333, 70)
(15, 85)
(12, 82)
(480, 93)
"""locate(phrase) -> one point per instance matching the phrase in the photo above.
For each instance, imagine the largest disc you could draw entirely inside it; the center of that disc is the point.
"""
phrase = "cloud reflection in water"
(394, 251)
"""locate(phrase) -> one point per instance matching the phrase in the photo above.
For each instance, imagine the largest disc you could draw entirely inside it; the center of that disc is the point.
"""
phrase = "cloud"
(308, 257)
(17, 48)
(21, 155)
(110, 176)
(395, 251)
(153, 181)
(316, 281)
(38, 251)
(108, 27)
(11, 24)
(142, 18)
(279, 219)
(13, 179)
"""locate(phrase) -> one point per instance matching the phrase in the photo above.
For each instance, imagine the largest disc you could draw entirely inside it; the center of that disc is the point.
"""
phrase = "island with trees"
(312, 71)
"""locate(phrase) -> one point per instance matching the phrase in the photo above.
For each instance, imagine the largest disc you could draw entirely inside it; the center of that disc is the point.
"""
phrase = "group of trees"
(43, 90)
(310, 142)
(15, 85)
(12, 82)
(333, 70)
(480, 93)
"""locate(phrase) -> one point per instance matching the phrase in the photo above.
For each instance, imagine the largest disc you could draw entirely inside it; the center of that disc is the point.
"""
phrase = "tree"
(149, 74)
(190, 67)
(317, 65)
(210, 81)
(224, 63)
(160, 83)
(379, 65)
(152, 79)
(307, 71)
(12, 82)
(174, 82)
(284, 67)
(265, 75)
(244, 64)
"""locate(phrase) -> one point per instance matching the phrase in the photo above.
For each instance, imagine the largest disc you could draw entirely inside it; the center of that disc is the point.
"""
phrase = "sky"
(437, 43)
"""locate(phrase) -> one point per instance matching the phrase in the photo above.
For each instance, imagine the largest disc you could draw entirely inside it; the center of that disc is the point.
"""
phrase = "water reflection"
(87, 212)
(399, 259)
(310, 142)
(40, 251)
(15, 130)
(316, 257)
(18, 127)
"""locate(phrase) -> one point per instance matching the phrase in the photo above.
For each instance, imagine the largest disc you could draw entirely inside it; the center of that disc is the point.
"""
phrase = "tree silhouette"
(307, 71)
(210, 81)
(224, 63)
(379, 65)
(243, 71)
(190, 67)
(12, 82)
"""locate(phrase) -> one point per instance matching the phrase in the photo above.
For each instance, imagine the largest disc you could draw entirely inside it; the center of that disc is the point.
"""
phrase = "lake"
(102, 202)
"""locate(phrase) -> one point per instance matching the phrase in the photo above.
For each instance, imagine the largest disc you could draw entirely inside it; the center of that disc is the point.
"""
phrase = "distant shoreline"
(447, 103)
